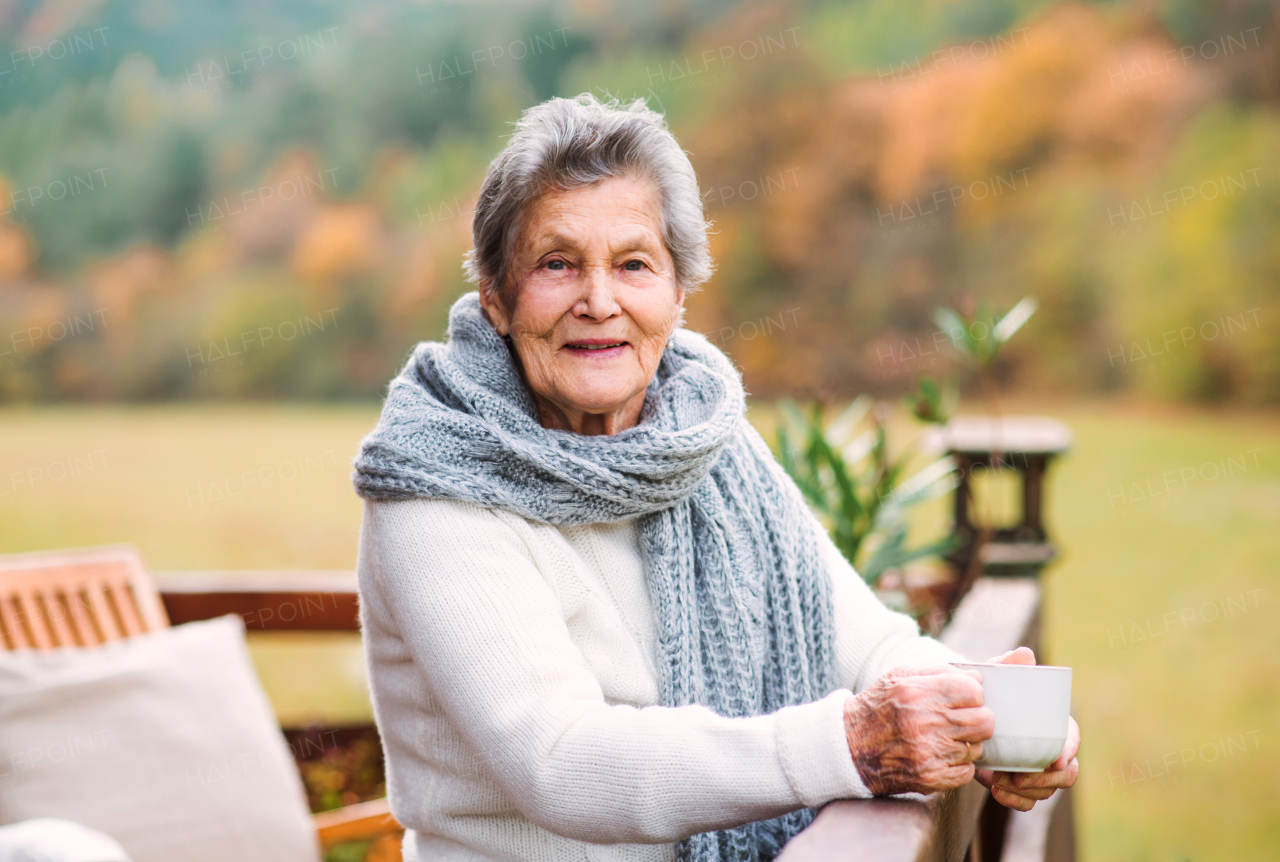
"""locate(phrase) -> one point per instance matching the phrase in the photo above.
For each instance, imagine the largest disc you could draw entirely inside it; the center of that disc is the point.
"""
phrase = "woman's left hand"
(1022, 790)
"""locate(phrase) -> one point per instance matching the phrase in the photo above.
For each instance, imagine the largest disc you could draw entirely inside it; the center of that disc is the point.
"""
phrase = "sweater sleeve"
(458, 584)
(870, 638)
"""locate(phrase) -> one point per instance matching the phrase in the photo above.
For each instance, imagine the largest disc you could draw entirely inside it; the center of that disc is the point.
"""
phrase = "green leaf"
(854, 485)
(840, 430)
(954, 327)
(858, 448)
(886, 555)
(1013, 321)
(932, 481)
(895, 554)
(927, 403)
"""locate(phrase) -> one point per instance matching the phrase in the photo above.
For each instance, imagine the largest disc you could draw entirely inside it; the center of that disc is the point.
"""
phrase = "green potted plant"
(862, 490)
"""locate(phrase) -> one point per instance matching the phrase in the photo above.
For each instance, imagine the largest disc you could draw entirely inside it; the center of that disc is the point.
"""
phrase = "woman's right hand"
(908, 730)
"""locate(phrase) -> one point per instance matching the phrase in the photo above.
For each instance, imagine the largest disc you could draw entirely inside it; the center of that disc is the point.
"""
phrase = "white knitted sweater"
(512, 672)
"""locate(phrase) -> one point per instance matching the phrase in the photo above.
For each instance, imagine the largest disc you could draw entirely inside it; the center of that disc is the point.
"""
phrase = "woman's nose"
(598, 300)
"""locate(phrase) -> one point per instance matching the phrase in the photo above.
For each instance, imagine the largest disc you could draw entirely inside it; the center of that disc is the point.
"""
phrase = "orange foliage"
(418, 281)
(42, 305)
(119, 282)
(17, 253)
(935, 147)
(342, 240)
(1054, 93)
(282, 207)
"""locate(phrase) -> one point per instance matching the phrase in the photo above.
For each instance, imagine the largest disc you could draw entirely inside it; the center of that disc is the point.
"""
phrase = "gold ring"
(968, 753)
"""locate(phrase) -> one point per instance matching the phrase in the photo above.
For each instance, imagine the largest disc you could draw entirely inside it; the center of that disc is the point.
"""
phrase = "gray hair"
(573, 143)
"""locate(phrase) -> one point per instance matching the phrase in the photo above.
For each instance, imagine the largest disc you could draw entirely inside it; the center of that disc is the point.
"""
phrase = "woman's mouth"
(596, 348)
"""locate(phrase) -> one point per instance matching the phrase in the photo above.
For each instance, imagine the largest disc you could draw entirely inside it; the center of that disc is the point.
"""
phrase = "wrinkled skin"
(590, 266)
(907, 733)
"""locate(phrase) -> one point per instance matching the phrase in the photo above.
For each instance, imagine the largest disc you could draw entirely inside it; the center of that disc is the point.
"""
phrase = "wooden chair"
(90, 596)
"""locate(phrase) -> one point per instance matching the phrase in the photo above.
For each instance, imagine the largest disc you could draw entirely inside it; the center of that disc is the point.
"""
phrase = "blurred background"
(223, 226)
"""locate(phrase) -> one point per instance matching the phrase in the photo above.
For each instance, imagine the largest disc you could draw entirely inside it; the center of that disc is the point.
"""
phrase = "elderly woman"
(600, 621)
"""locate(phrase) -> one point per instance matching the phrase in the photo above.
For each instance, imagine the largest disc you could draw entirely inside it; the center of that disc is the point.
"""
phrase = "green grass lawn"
(194, 487)
(1165, 606)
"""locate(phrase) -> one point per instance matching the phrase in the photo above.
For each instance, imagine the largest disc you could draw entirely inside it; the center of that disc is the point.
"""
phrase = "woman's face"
(595, 300)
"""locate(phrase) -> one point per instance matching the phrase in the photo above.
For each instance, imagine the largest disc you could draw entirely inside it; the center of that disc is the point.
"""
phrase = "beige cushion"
(48, 839)
(165, 742)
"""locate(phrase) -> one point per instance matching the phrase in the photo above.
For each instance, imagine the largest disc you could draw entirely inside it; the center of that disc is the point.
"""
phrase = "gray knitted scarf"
(742, 601)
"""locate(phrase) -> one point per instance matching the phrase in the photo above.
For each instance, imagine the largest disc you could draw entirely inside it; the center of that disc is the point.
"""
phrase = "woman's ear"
(679, 309)
(494, 310)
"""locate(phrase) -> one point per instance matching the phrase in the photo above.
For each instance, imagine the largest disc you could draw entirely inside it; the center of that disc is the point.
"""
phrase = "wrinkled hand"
(907, 731)
(1022, 790)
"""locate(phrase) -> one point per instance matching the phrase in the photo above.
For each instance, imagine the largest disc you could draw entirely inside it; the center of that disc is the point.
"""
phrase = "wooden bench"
(94, 595)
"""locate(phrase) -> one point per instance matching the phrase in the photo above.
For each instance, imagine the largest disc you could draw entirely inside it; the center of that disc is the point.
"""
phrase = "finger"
(954, 691)
(1049, 778)
(1022, 781)
(1052, 779)
(1021, 655)
(1011, 800)
(985, 777)
(929, 670)
(971, 724)
(1031, 791)
(960, 753)
(1071, 749)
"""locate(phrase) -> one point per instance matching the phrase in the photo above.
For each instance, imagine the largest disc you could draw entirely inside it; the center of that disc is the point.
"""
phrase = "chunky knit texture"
(742, 604)
(513, 672)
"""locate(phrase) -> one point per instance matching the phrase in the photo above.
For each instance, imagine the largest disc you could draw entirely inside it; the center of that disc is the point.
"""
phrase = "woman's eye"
(633, 266)
(556, 265)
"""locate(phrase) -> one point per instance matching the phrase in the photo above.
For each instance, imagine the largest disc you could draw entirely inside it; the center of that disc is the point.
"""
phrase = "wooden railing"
(997, 614)
(270, 600)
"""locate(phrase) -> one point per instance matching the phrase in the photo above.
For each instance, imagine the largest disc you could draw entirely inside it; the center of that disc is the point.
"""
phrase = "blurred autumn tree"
(273, 201)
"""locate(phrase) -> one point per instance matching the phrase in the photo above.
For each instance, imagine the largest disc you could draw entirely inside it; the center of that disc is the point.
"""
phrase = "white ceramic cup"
(1032, 706)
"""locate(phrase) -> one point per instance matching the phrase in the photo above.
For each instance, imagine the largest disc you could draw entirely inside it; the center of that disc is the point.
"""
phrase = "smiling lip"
(596, 347)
